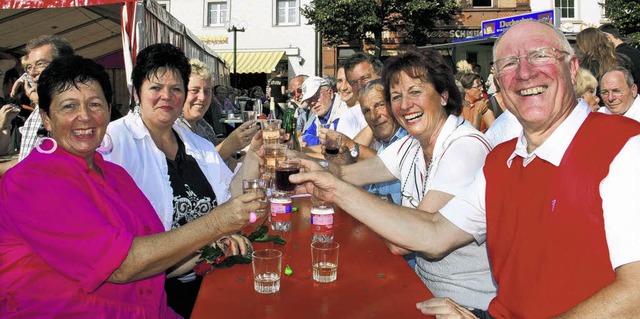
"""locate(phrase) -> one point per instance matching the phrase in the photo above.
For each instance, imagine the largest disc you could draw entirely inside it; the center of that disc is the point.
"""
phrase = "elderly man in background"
(386, 130)
(620, 94)
(305, 116)
(41, 52)
(324, 103)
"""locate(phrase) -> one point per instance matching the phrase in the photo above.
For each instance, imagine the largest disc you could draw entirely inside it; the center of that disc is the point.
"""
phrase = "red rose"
(202, 268)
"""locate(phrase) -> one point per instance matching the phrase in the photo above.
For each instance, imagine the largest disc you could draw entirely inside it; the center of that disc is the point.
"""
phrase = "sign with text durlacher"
(495, 27)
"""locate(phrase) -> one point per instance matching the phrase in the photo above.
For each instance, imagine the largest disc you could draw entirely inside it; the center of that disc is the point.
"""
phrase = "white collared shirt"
(135, 151)
(633, 112)
(352, 121)
(620, 201)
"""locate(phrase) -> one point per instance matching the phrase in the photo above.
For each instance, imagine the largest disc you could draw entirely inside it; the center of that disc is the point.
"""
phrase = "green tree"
(625, 15)
(341, 21)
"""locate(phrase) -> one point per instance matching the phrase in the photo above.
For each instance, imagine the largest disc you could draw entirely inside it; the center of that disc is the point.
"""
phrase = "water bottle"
(280, 216)
(321, 222)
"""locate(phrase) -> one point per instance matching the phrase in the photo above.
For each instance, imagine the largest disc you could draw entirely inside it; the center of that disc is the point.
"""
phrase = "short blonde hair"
(200, 69)
(585, 81)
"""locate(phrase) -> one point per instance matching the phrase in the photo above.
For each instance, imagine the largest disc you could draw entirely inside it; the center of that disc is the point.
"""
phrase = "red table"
(372, 283)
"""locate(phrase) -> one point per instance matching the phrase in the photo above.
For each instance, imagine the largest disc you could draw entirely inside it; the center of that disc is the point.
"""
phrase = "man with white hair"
(620, 94)
(324, 103)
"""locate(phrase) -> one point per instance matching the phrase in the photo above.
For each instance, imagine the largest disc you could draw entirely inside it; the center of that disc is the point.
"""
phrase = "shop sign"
(495, 27)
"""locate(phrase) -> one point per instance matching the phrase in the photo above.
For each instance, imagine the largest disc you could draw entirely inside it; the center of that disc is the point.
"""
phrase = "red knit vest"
(545, 229)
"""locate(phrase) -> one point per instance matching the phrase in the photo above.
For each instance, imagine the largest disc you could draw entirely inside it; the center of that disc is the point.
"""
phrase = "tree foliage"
(625, 15)
(341, 21)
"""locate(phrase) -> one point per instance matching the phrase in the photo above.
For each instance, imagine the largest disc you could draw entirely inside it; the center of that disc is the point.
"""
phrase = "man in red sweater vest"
(557, 206)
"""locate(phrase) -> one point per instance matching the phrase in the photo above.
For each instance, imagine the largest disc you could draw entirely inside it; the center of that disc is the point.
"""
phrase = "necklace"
(412, 200)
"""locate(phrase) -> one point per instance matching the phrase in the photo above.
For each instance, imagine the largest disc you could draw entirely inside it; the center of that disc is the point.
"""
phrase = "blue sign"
(496, 26)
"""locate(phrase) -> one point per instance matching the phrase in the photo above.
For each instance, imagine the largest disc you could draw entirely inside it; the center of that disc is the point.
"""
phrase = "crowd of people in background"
(503, 194)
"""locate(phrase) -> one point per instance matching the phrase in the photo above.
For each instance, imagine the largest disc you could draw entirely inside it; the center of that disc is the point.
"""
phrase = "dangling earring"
(106, 147)
(42, 140)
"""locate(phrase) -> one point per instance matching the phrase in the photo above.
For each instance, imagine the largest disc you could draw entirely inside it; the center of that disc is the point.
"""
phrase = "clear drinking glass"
(267, 268)
(324, 260)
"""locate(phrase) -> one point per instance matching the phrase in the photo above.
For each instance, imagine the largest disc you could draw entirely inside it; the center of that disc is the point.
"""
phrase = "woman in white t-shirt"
(434, 163)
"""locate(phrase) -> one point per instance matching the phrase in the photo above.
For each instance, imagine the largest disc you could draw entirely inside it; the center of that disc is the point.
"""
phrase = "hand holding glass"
(272, 153)
(325, 126)
(284, 169)
(271, 131)
(332, 143)
(255, 186)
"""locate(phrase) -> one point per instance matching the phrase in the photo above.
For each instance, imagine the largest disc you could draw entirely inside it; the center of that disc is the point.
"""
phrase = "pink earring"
(106, 147)
(44, 139)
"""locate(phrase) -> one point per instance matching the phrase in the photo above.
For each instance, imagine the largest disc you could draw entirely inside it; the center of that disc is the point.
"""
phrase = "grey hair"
(627, 74)
(370, 86)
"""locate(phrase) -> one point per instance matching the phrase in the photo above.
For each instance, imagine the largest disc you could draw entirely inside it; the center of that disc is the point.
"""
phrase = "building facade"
(575, 14)
(271, 34)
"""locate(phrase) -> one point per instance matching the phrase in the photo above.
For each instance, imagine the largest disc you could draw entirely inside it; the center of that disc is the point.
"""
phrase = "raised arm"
(368, 171)
(150, 255)
(431, 234)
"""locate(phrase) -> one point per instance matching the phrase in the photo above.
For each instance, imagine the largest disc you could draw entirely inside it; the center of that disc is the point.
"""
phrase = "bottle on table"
(281, 208)
(290, 120)
(272, 108)
(321, 221)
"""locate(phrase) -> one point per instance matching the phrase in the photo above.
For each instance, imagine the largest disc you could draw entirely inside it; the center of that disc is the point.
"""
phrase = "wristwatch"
(355, 150)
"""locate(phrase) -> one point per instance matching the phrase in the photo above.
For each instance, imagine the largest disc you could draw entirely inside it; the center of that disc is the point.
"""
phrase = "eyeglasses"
(615, 93)
(361, 81)
(412, 200)
(477, 87)
(536, 57)
(296, 92)
(40, 65)
(317, 96)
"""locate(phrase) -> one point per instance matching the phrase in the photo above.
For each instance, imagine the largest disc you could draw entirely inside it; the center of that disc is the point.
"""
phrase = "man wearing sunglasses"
(305, 116)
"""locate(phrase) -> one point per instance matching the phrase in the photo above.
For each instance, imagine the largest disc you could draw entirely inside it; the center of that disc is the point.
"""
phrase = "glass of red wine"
(332, 143)
(284, 169)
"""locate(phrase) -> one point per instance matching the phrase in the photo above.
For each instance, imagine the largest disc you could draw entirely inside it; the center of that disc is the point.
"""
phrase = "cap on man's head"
(311, 86)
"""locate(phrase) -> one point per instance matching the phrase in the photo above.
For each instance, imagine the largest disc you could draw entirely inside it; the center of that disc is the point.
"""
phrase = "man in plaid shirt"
(40, 52)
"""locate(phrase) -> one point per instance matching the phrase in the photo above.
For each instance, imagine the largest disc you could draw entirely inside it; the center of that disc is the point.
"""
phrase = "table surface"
(9, 157)
(371, 283)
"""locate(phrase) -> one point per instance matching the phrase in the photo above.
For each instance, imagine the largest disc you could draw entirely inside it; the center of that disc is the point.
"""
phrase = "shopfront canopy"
(253, 62)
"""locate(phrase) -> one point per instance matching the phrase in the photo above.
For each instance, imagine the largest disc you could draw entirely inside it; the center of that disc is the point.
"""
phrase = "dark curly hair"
(67, 71)
(428, 66)
(156, 56)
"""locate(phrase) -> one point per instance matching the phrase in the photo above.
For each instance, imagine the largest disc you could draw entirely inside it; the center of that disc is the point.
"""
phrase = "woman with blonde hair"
(586, 86)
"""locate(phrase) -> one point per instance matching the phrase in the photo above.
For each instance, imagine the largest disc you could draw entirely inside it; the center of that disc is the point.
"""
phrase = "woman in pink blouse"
(77, 236)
